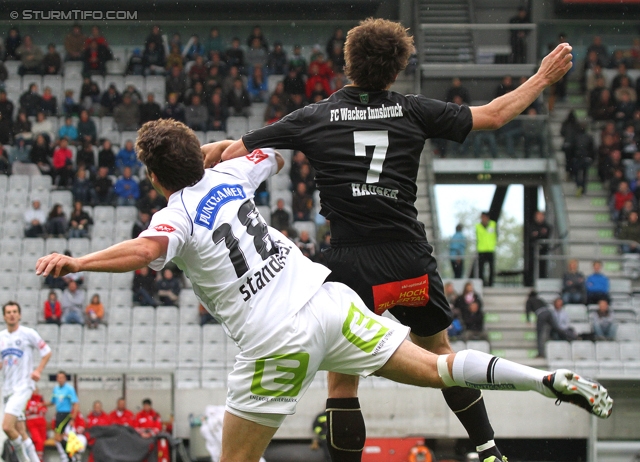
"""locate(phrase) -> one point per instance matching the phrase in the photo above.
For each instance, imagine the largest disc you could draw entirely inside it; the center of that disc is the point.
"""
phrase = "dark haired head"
(11, 303)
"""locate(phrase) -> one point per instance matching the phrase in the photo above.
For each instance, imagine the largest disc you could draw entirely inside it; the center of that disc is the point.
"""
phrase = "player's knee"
(342, 386)
(9, 428)
(438, 343)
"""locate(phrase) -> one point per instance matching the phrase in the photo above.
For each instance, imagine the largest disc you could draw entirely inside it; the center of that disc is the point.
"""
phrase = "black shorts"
(62, 419)
(399, 276)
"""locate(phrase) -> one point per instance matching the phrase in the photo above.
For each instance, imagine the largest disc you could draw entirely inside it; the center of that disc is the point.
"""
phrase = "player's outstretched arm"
(212, 152)
(37, 372)
(503, 109)
(127, 256)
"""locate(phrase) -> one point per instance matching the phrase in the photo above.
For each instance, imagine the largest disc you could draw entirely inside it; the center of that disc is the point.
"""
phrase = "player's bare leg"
(11, 427)
(346, 433)
(466, 403)
(244, 440)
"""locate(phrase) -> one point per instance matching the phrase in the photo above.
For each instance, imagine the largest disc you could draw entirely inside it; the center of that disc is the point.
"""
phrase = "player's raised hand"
(556, 64)
(212, 152)
(57, 265)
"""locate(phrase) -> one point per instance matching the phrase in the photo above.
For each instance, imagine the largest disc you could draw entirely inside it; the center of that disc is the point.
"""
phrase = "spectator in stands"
(604, 108)
(256, 55)
(31, 101)
(198, 71)
(141, 224)
(457, 250)
(603, 323)
(49, 103)
(20, 153)
(79, 221)
(229, 79)
(505, 86)
(257, 33)
(103, 187)
(153, 60)
(68, 131)
(127, 157)
(196, 90)
(126, 188)
(6, 106)
(573, 284)
(628, 142)
(121, 415)
(173, 109)
(584, 153)
(151, 202)
(176, 83)
(307, 245)
(96, 36)
(148, 422)
(35, 220)
(144, 287)
(218, 113)
(540, 230)
(298, 63)
(235, 55)
(457, 89)
(56, 221)
(469, 305)
(548, 327)
(62, 164)
(486, 238)
(22, 128)
(631, 232)
(95, 59)
(74, 44)
(89, 100)
(257, 85)
(214, 42)
(12, 42)
(149, 110)
(43, 126)
(31, 57)
(623, 195)
(213, 81)
(302, 203)
(277, 60)
(597, 284)
(591, 70)
(519, 37)
(52, 309)
(174, 59)
(482, 138)
(280, 218)
(168, 288)
(126, 115)
(135, 66)
(193, 48)
(625, 109)
(599, 49)
(315, 76)
(239, 100)
(5, 165)
(72, 302)
(109, 100)
(52, 63)
(533, 133)
(533, 304)
(85, 157)
(94, 312)
(106, 157)
(294, 83)
(196, 115)
(41, 155)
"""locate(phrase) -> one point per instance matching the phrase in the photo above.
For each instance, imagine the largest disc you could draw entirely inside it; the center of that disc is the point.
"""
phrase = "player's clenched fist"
(556, 64)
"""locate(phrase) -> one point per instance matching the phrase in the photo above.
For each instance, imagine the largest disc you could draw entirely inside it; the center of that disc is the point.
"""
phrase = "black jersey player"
(364, 142)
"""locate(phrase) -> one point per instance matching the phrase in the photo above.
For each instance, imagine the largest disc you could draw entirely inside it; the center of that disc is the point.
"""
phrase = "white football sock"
(474, 369)
(19, 449)
(30, 449)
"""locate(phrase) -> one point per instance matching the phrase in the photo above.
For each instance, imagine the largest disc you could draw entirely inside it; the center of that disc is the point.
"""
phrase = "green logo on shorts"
(288, 370)
(370, 331)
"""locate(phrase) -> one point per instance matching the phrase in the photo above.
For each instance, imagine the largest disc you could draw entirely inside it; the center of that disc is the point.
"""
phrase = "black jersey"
(365, 147)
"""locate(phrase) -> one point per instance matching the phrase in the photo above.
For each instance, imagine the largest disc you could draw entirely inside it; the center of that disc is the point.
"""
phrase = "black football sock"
(346, 432)
(468, 406)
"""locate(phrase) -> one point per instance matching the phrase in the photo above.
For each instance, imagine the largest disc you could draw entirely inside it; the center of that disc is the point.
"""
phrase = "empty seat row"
(599, 359)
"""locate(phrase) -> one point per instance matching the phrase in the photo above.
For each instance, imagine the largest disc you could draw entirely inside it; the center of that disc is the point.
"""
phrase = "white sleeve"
(171, 223)
(256, 167)
(38, 343)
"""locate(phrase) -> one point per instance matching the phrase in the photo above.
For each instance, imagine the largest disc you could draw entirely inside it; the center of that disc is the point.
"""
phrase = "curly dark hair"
(375, 52)
(171, 150)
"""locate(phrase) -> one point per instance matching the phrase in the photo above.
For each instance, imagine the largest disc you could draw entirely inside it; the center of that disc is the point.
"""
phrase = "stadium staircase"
(588, 215)
(446, 46)
(510, 336)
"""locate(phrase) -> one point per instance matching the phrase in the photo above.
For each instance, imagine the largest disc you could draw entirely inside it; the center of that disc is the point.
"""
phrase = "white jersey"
(249, 276)
(17, 350)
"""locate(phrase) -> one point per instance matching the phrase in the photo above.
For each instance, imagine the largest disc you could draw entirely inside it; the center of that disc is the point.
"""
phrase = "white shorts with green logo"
(334, 331)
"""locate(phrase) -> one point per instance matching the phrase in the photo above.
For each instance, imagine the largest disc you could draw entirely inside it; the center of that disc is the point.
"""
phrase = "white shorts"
(334, 331)
(15, 403)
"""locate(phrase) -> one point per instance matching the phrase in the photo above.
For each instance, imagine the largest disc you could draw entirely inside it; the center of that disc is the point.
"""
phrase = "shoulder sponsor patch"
(214, 199)
(164, 228)
(257, 156)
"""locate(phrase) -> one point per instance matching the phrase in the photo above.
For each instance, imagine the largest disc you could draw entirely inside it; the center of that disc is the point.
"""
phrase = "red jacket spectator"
(621, 196)
(52, 309)
(97, 417)
(124, 417)
(36, 422)
(148, 422)
(311, 85)
(61, 156)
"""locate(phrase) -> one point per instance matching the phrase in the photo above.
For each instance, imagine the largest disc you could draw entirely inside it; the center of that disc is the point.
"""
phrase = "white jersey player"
(18, 345)
(273, 301)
